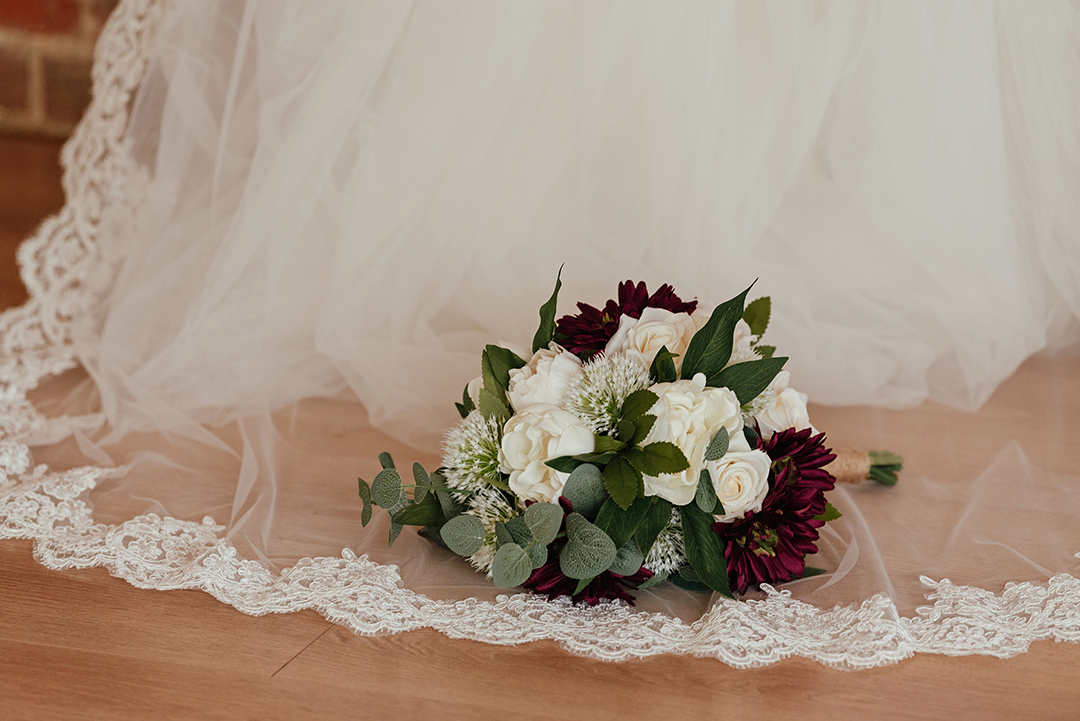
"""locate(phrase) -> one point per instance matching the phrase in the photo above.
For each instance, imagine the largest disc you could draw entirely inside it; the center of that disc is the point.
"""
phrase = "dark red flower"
(549, 579)
(586, 333)
(771, 546)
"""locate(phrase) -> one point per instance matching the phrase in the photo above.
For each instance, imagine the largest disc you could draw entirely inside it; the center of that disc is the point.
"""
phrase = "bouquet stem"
(855, 466)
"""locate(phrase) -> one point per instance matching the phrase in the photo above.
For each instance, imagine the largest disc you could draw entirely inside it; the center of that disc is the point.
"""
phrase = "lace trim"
(63, 271)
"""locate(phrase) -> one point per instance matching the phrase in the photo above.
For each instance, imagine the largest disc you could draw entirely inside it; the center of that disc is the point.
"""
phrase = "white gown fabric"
(271, 202)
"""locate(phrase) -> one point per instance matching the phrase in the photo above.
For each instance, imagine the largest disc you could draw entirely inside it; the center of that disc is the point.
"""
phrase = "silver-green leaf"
(387, 491)
(585, 490)
(511, 566)
(628, 560)
(464, 534)
(588, 550)
(718, 446)
(544, 521)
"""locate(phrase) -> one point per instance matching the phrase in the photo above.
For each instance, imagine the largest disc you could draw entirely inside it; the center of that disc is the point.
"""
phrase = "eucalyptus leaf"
(519, 531)
(585, 490)
(365, 497)
(387, 491)
(395, 531)
(656, 519)
(757, 315)
(704, 549)
(449, 506)
(426, 513)
(386, 460)
(705, 496)
(544, 521)
(750, 435)
(423, 483)
(464, 534)
(623, 482)
(619, 523)
(546, 331)
(637, 404)
(588, 551)
(718, 446)
(511, 566)
(655, 580)
(747, 380)
(502, 535)
(628, 560)
(710, 348)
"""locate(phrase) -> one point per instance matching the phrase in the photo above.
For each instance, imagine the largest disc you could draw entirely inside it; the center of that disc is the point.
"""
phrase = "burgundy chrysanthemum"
(770, 546)
(586, 333)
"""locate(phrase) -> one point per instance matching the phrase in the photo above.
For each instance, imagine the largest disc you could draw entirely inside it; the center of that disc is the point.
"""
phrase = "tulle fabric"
(347, 200)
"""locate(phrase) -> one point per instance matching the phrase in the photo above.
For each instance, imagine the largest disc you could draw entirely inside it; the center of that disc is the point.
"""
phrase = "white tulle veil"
(299, 223)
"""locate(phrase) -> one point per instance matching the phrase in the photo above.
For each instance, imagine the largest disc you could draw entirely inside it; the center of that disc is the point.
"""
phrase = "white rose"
(642, 338)
(781, 408)
(545, 379)
(539, 434)
(688, 414)
(740, 479)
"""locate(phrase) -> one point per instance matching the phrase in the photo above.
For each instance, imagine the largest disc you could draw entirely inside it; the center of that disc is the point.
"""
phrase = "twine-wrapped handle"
(855, 466)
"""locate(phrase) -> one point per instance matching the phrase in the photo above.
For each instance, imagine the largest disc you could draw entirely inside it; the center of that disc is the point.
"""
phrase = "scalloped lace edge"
(64, 273)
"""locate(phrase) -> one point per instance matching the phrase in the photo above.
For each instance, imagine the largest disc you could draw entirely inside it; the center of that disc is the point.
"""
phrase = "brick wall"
(46, 47)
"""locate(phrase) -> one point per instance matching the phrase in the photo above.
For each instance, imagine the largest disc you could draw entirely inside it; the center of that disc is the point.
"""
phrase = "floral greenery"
(603, 535)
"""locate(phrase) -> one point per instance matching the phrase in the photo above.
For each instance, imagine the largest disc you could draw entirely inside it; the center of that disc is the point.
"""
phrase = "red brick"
(14, 80)
(41, 16)
(67, 89)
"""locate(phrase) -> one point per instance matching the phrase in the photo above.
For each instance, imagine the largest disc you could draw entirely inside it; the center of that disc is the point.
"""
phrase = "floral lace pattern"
(63, 271)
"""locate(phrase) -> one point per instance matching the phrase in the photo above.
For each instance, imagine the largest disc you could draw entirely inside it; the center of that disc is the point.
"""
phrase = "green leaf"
(423, 482)
(637, 404)
(466, 406)
(829, 514)
(628, 560)
(588, 551)
(395, 530)
(619, 523)
(663, 366)
(600, 459)
(757, 314)
(449, 506)
(492, 405)
(623, 482)
(642, 426)
(585, 490)
(496, 364)
(365, 496)
(765, 351)
(538, 554)
(426, 513)
(680, 579)
(747, 380)
(710, 348)
(386, 460)
(606, 444)
(511, 566)
(519, 531)
(811, 571)
(624, 431)
(656, 519)
(432, 534)
(546, 331)
(544, 521)
(464, 534)
(657, 458)
(655, 580)
(750, 435)
(581, 585)
(705, 549)
(705, 496)
(387, 491)
(564, 464)
(718, 446)
(502, 535)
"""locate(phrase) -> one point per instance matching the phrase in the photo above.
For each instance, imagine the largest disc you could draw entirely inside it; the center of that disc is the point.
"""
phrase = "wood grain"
(84, 645)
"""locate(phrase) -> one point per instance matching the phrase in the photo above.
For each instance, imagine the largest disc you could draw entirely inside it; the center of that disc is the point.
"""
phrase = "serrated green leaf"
(544, 521)
(563, 464)
(546, 331)
(663, 366)
(642, 426)
(449, 506)
(623, 482)
(757, 314)
(585, 490)
(829, 514)
(386, 460)
(464, 534)
(718, 446)
(365, 497)
(511, 566)
(765, 351)
(598, 459)
(624, 430)
(811, 571)
(496, 364)
(492, 405)
(423, 483)
(606, 444)
(387, 491)
(656, 519)
(657, 458)
(620, 524)
(588, 551)
(710, 348)
(466, 406)
(426, 513)
(704, 549)
(747, 380)
(705, 496)
(628, 560)
(637, 404)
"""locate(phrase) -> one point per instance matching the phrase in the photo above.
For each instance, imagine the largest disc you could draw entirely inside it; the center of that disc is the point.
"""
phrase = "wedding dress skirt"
(290, 224)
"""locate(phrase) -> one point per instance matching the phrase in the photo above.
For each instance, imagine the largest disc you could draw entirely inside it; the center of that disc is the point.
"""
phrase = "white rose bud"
(642, 338)
(740, 479)
(688, 414)
(545, 379)
(537, 435)
(784, 408)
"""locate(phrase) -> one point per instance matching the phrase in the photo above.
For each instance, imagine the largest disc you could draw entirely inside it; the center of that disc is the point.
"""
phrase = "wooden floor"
(81, 644)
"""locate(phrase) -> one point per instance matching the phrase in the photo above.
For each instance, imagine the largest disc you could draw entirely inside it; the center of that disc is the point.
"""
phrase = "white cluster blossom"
(471, 453)
(597, 394)
(666, 555)
(491, 507)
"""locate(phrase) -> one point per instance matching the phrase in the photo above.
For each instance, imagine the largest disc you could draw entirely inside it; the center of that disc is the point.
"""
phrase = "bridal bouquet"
(650, 440)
